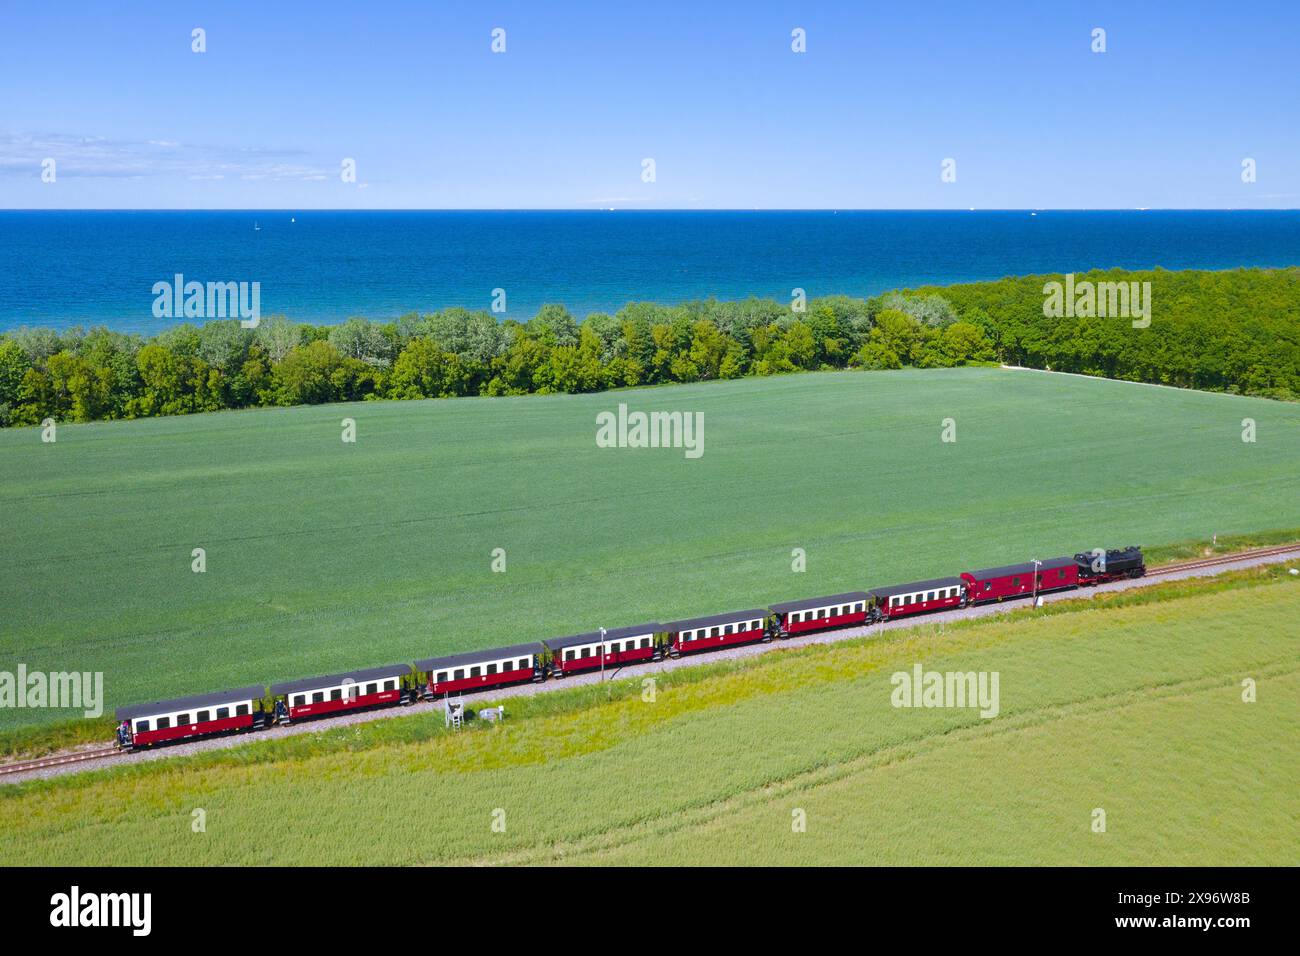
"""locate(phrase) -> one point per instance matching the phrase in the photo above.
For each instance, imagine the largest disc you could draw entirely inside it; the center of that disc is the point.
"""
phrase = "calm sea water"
(69, 268)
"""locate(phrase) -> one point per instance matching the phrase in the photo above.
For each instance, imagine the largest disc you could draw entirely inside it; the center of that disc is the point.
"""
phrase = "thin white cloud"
(21, 154)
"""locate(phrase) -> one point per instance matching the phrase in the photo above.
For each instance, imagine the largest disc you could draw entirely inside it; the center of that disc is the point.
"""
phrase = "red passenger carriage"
(717, 630)
(206, 715)
(478, 670)
(619, 646)
(1021, 580)
(819, 614)
(330, 694)
(901, 600)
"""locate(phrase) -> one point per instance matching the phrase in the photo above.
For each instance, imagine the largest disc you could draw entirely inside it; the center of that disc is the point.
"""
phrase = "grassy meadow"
(1130, 703)
(323, 555)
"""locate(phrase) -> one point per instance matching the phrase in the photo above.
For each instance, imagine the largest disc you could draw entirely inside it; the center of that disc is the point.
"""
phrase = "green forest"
(1234, 331)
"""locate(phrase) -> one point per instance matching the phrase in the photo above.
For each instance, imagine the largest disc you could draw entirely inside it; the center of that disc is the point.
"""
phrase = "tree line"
(1231, 331)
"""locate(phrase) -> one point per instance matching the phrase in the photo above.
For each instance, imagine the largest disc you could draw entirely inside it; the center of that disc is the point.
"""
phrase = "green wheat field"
(323, 555)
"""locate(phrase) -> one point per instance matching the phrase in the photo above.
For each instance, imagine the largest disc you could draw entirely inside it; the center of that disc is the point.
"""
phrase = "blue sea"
(64, 268)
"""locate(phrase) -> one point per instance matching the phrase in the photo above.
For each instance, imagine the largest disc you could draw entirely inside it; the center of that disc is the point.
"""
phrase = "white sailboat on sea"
(256, 227)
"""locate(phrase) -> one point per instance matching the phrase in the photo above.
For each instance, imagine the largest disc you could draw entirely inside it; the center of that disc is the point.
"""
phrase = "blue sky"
(710, 91)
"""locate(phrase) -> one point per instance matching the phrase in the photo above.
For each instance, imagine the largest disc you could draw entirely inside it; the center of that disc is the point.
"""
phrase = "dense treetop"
(1236, 331)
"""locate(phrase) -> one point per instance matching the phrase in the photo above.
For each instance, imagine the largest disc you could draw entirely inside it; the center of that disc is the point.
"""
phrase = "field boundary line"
(1125, 381)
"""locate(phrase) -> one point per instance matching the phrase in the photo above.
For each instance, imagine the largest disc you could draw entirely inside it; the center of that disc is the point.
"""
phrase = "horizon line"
(606, 209)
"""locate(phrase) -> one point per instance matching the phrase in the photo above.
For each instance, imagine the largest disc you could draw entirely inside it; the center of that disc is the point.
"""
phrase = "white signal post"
(1037, 564)
(602, 655)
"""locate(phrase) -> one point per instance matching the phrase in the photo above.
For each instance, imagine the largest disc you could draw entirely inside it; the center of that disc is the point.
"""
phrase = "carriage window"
(475, 671)
(164, 723)
(1015, 582)
(586, 651)
(491, 669)
(716, 632)
(241, 710)
(858, 607)
(568, 655)
(141, 726)
(223, 713)
(893, 602)
(523, 663)
(336, 693)
(182, 720)
(442, 676)
(204, 716)
(1061, 573)
(460, 673)
(390, 685)
(317, 697)
(988, 585)
(645, 642)
(371, 689)
(727, 629)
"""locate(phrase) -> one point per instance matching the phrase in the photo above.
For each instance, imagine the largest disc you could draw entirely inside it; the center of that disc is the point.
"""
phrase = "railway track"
(1220, 559)
(57, 760)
